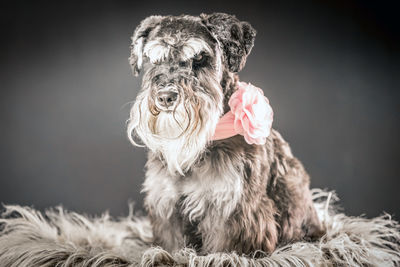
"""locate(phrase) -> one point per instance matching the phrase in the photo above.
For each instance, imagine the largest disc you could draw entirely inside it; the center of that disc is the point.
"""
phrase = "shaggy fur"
(66, 239)
(221, 203)
(212, 196)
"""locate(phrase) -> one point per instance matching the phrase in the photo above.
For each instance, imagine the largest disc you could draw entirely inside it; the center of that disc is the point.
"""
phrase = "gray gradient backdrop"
(329, 68)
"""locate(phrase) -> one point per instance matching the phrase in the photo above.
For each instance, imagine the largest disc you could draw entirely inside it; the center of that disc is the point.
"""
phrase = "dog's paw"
(156, 256)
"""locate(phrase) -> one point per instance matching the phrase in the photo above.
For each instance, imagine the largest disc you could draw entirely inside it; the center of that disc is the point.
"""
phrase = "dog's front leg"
(167, 232)
(160, 203)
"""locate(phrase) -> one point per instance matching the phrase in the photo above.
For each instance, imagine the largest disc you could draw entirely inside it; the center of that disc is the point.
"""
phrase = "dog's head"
(184, 59)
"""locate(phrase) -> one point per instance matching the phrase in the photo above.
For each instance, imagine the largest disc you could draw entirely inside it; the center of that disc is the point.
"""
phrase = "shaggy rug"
(60, 238)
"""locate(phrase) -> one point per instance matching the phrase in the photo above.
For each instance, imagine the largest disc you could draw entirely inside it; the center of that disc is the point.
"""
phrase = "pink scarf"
(250, 116)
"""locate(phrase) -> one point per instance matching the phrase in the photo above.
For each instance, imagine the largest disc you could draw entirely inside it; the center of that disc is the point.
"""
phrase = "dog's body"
(224, 195)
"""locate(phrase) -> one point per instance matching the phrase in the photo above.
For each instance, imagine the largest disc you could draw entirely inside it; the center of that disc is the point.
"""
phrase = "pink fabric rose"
(250, 115)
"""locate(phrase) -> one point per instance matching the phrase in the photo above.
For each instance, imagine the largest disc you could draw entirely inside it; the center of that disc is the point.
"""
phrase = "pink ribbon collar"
(250, 116)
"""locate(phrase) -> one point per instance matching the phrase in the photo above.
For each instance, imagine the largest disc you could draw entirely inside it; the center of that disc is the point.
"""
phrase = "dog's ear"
(139, 39)
(236, 37)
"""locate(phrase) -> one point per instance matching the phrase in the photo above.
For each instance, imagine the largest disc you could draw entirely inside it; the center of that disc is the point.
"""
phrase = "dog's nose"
(167, 99)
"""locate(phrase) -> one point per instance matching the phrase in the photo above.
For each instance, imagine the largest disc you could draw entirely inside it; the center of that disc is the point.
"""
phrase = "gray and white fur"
(58, 237)
(233, 197)
(213, 196)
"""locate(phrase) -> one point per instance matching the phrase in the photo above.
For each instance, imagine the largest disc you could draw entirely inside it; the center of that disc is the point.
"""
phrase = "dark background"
(329, 68)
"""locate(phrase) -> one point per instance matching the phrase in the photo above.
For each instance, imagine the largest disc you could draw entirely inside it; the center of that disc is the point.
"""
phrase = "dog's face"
(184, 59)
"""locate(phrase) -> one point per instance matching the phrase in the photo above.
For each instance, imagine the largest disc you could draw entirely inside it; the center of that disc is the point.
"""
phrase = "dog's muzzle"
(167, 98)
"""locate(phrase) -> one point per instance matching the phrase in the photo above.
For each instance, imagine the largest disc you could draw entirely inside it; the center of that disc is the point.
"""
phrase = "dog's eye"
(198, 57)
(199, 60)
(157, 78)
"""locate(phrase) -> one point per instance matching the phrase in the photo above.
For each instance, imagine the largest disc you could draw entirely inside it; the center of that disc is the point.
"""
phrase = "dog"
(211, 195)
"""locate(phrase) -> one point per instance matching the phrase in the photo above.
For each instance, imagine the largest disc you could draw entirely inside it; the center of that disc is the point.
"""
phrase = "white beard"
(166, 135)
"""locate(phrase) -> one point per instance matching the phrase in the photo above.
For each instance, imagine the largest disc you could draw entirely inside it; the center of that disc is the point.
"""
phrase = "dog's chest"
(206, 192)
(210, 192)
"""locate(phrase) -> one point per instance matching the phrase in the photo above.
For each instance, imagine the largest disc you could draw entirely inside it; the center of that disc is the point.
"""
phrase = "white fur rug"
(61, 238)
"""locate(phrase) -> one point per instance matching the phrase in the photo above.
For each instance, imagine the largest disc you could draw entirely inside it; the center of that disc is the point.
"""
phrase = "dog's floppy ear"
(139, 40)
(236, 37)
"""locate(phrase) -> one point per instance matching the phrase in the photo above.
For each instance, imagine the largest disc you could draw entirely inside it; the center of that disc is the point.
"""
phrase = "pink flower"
(250, 115)
(253, 114)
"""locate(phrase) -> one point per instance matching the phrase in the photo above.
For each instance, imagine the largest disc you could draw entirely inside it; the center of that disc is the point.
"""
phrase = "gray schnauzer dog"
(214, 196)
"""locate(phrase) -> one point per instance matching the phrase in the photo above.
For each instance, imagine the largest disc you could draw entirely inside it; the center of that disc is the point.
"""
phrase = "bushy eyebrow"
(194, 46)
(158, 51)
